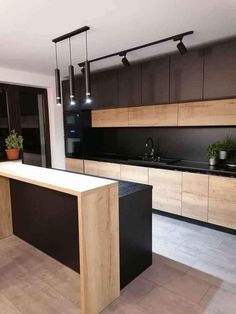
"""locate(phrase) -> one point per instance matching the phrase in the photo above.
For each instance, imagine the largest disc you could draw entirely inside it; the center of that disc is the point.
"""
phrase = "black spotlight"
(181, 47)
(125, 61)
(82, 69)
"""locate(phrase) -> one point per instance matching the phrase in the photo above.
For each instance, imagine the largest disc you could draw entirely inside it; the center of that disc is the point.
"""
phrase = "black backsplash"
(185, 143)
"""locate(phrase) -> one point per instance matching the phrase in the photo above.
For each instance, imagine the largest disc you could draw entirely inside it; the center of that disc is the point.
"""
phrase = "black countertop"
(181, 165)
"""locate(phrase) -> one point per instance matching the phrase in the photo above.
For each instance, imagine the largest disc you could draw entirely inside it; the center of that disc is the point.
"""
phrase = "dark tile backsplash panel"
(184, 143)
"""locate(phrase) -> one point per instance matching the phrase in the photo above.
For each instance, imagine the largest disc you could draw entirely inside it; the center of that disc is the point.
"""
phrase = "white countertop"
(71, 183)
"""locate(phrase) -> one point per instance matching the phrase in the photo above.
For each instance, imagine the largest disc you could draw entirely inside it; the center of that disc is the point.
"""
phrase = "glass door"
(34, 126)
(4, 122)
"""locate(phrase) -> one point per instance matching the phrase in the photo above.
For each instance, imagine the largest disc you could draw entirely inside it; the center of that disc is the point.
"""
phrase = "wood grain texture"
(195, 196)
(99, 264)
(5, 209)
(167, 188)
(213, 112)
(110, 117)
(222, 201)
(103, 169)
(155, 115)
(134, 174)
(76, 165)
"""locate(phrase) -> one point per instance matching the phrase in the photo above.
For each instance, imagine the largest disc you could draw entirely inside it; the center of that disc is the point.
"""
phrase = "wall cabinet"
(214, 112)
(167, 188)
(155, 81)
(186, 76)
(129, 86)
(156, 115)
(134, 174)
(195, 196)
(103, 169)
(222, 201)
(75, 165)
(110, 117)
(220, 71)
(107, 89)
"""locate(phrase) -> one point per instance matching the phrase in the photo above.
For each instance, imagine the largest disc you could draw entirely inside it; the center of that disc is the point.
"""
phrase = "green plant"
(14, 141)
(228, 145)
(213, 149)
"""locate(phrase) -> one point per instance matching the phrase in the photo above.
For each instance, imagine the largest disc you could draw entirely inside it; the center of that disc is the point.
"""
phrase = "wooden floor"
(194, 271)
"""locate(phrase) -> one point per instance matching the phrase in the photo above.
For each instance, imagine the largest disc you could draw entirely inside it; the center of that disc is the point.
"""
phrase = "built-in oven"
(76, 125)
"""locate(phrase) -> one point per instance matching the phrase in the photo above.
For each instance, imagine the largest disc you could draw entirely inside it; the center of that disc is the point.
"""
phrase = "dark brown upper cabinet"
(129, 86)
(220, 71)
(155, 81)
(107, 89)
(186, 76)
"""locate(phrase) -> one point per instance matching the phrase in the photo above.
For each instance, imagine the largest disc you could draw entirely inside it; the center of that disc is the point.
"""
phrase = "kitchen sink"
(158, 160)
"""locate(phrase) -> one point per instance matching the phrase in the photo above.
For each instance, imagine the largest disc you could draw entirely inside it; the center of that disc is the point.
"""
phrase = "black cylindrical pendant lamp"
(88, 99)
(58, 86)
(71, 78)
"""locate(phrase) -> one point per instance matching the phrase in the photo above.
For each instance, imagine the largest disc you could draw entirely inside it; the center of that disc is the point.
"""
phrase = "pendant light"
(88, 99)
(57, 80)
(71, 78)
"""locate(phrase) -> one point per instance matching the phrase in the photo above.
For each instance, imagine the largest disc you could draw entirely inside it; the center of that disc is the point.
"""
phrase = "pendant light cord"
(86, 45)
(70, 51)
(56, 55)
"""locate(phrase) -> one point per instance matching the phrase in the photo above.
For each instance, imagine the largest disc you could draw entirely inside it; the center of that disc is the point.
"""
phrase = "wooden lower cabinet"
(195, 196)
(103, 169)
(76, 165)
(134, 174)
(167, 188)
(222, 201)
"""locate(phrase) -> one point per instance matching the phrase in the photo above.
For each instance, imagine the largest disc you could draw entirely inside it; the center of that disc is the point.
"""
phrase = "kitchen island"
(98, 227)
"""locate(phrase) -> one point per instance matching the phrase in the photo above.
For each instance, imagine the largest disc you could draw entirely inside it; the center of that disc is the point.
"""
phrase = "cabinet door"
(167, 186)
(107, 89)
(220, 71)
(110, 118)
(76, 165)
(186, 77)
(155, 81)
(134, 174)
(222, 201)
(156, 115)
(103, 169)
(129, 86)
(195, 196)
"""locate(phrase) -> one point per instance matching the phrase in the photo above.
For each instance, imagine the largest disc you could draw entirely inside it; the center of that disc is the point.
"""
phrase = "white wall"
(55, 112)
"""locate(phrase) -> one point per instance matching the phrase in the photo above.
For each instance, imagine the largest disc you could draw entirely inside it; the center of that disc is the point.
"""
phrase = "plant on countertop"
(228, 145)
(213, 150)
(14, 141)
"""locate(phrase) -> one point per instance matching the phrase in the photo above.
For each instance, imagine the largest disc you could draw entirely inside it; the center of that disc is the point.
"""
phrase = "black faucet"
(151, 155)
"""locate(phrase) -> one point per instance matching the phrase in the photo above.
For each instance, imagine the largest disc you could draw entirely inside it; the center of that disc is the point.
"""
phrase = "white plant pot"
(212, 161)
(223, 155)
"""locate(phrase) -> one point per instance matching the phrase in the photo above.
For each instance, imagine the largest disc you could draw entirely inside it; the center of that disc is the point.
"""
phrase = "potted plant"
(14, 143)
(227, 146)
(213, 153)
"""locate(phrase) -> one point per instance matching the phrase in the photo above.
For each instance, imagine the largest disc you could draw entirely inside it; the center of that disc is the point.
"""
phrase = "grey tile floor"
(193, 271)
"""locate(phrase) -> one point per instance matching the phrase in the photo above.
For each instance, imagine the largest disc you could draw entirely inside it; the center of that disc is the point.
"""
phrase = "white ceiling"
(27, 27)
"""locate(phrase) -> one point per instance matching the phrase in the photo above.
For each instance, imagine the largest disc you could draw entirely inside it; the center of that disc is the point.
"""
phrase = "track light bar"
(123, 52)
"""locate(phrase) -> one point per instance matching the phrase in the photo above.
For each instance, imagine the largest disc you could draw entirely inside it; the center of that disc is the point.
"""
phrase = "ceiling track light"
(71, 78)
(181, 47)
(57, 80)
(88, 98)
(124, 60)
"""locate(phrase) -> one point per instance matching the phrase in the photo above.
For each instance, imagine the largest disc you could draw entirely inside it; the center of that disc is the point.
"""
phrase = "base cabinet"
(134, 174)
(167, 186)
(195, 196)
(103, 169)
(76, 165)
(222, 201)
